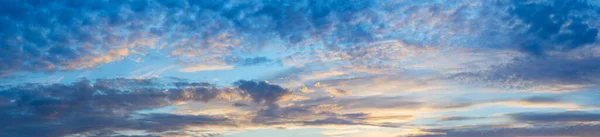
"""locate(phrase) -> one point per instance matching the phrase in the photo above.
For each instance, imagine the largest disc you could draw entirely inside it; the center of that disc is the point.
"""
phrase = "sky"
(299, 68)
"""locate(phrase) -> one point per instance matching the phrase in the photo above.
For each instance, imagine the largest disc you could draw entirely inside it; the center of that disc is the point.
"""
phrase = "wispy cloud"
(202, 67)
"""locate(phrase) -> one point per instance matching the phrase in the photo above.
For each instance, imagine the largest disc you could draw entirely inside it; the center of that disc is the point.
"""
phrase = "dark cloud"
(152, 123)
(293, 114)
(570, 116)
(102, 106)
(458, 118)
(461, 103)
(104, 96)
(240, 104)
(331, 121)
(315, 112)
(166, 122)
(252, 61)
(532, 72)
(542, 99)
(311, 115)
(556, 25)
(262, 91)
(255, 61)
(556, 36)
(545, 131)
(379, 102)
(63, 109)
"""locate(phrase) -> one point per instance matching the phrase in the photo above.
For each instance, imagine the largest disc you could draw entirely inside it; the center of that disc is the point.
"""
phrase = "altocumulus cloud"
(554, 25)
(67, 35)
(551, 46)
(559, 38)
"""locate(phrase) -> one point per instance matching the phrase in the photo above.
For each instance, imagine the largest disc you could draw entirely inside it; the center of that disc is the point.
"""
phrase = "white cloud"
(203, 67)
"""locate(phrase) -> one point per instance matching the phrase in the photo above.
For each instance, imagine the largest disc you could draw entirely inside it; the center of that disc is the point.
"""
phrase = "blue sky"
(330, 68)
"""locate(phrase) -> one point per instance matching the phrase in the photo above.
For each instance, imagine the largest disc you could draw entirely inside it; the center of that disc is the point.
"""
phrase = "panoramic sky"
(299, 68)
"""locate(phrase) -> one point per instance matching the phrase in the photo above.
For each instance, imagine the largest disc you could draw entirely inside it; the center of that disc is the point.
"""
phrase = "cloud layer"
(67, 35)
(131, 104)
(340, 67)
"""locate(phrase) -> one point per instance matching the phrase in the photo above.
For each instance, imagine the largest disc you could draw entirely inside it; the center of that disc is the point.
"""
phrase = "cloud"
(122, 104)
(151, 123)
(330, 121)
(377, 84)
(338, 92)
(382, 110)
(102, 104)
(105, 96)
(263, 92)
(379, 50)
(316, 115)
(569, 116)
(541, 99)
(202, 67)
(550, 74)
(166, 122)
(554, 25)
(251, 61)
(77, 35)
(585, 130)
(529, 102)
(458, 118)
(373, 102)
